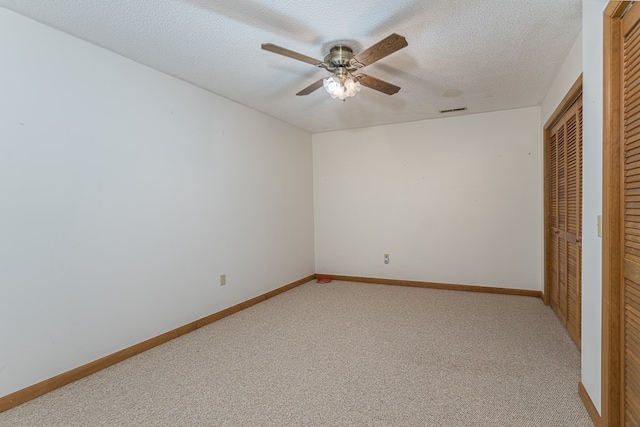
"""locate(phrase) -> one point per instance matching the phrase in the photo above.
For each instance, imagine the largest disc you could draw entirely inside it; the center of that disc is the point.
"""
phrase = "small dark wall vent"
(453, 110)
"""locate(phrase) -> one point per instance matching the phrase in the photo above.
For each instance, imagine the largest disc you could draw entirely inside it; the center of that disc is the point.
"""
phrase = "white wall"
(454, 200)
(566, 77)
(588, 51)
(592, 37)
(124, 194)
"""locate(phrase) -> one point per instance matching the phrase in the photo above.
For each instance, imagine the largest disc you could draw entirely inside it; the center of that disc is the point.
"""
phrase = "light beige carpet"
(342, 354)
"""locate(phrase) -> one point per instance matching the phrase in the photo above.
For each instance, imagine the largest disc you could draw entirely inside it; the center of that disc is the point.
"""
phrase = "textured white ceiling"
(486, 55)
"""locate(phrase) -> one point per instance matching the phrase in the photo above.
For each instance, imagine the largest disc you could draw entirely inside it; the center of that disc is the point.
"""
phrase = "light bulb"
(341, 87)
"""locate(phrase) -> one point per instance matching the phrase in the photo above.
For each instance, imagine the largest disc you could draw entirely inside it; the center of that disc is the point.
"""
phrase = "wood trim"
(31, 392)
(588, 404)
(432, 285)
(611, 215)
(566, 103)
(253, 301)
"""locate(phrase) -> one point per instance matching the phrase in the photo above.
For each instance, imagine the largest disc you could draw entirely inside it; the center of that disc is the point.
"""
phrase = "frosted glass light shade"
(341, 88)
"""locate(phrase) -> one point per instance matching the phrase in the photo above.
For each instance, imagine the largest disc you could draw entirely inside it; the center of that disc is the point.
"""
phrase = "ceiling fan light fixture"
(341, 62)
(342, 87)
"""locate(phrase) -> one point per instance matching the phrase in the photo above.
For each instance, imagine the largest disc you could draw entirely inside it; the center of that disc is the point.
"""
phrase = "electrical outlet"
(386, 258)
(223, 279)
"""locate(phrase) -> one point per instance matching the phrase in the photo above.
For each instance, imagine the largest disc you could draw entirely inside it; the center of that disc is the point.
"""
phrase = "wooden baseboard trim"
(31, 392)
(432, 285)
(588, 403)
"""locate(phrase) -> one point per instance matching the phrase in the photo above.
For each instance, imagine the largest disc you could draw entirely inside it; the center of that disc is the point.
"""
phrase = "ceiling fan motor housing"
(341, 58)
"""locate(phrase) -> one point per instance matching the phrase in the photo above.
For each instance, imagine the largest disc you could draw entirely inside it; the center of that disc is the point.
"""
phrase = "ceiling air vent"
(453, 110)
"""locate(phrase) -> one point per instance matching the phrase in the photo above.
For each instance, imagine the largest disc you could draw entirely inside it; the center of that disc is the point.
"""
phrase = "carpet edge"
(435, 285)
(31, 392)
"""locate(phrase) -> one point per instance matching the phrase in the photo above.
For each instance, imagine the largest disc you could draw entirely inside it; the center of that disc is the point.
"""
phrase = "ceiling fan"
(343, 63)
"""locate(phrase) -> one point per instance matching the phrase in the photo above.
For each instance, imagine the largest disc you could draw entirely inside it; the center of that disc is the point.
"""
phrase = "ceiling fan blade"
(291, 54)
(379, 85)
(311, 88)
(381, 49)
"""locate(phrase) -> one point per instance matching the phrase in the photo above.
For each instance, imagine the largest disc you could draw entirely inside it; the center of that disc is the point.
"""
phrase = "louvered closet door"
(565, 206)
(573, 238)
(630, 410)
(554, 243)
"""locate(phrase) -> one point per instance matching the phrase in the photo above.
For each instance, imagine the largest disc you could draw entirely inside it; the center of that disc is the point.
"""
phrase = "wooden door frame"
(565, 104)
(611, 411)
